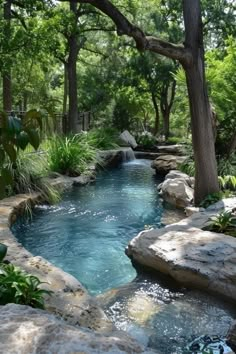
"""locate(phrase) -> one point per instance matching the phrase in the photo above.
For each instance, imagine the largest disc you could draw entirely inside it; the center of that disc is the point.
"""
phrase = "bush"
(146, 140)
(70, 155)
(16, 286)
(28, 174)
(102, 139)
(227, 166)
(224, 222)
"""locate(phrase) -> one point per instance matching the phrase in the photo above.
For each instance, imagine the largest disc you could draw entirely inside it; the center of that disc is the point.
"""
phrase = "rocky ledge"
(195, 258)
(27, 330)
(165, 163)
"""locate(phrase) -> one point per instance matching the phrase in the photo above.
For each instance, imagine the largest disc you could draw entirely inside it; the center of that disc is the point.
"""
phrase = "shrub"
(28, 174)
(70, 155)
(227, 182)
(16, 286)
(211, 199)
(102, 139)
(146, 140)
(227, 166)
(224, 222)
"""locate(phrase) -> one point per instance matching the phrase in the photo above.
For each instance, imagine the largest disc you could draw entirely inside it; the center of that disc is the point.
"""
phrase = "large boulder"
(127, 139)
(195, 258)
(27, 330)
(165, 163)
(177, 192)
(231, 338)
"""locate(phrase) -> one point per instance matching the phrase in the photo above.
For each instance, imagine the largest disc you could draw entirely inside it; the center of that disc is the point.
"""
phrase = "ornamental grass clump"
(70, 155)
(224, 222)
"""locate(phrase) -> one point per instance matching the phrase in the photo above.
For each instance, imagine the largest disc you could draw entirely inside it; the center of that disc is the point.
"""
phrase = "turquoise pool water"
(86, 235)
(87, 232)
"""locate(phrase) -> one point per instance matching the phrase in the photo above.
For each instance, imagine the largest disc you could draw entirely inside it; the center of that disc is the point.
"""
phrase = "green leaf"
(22, 140)
(14, 125)
(34, 138)
(31, 117)
(2, 156)
(7, 176)
(3, 251)
(10, 150)
(2, 188)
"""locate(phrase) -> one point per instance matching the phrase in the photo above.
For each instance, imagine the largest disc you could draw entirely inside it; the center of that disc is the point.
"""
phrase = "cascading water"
(127, 154)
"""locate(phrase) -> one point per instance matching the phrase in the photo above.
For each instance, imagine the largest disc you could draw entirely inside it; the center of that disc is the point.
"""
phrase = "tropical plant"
(224, 222)
(227, 182)
(16, 134)
(227, 166)
(211, 199)
(70, 155)
(16, 286)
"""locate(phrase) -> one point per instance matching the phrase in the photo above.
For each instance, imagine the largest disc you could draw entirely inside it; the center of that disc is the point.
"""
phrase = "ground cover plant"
(19, 287)
(224, 222)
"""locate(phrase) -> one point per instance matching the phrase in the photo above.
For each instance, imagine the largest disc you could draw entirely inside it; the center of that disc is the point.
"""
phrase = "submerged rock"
(27, 330)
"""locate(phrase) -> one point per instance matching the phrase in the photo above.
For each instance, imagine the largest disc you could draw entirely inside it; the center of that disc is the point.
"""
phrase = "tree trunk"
(166, 123)
(206, 179)
(72, 77)
(157, 114)
(65, 97)
(6, 76)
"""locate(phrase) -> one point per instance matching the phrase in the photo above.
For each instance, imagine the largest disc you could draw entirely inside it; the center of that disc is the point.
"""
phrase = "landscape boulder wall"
(195, 258)
(177, 189)
(27, 330)
(165, 163)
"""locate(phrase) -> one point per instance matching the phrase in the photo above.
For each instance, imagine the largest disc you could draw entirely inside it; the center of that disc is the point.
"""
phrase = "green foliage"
(3, 251)
(29, 175)
(227, 183)
(70, 155)
(224, 222)
(211, 199)
(102, 138)
(16, 134)
(16, 286)
(227, 165)
(146, 140)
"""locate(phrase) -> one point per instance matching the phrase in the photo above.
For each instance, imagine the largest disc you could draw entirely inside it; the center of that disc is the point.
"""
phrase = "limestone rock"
(195, 258)
(192, 210)
(231, 338)
(127, 139)
(177, 192)
(27, 330)
(173, 174)
(165, 163)
(170, 149)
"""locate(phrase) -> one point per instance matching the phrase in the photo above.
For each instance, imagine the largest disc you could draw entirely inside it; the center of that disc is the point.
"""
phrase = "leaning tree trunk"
(72, 78)
(206, 179)
(6, 76)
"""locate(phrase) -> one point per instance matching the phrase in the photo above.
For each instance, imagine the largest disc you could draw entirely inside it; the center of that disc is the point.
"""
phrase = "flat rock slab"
(27, 330)
(195, 258)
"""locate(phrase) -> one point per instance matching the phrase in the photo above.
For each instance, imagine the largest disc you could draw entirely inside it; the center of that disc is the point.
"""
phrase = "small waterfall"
(127, 155)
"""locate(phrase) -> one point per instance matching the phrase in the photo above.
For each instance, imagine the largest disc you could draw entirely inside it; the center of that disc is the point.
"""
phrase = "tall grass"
(102, 139)
(29, 172)
(70, 155)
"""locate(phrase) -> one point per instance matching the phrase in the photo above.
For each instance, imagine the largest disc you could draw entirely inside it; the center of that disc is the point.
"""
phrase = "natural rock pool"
(86, 235)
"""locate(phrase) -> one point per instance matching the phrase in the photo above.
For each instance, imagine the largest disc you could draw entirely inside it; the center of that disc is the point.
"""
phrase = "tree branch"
(143, 42)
